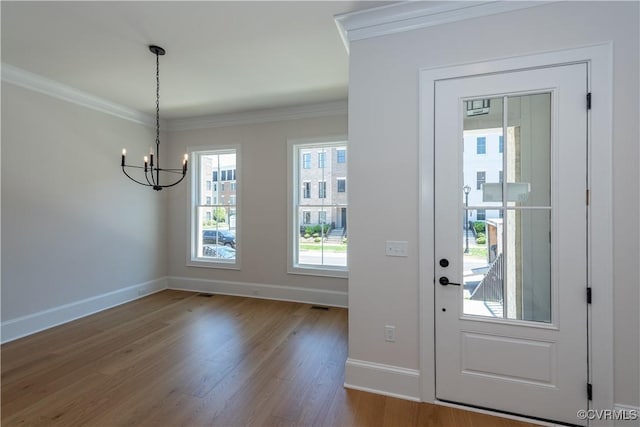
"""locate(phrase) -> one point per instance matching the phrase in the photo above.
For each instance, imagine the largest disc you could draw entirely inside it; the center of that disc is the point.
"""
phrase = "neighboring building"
(482, 160)
(218, 188)
(323, 182)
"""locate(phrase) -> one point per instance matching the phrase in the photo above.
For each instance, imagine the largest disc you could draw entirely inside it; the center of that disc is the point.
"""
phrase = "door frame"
(599, 60)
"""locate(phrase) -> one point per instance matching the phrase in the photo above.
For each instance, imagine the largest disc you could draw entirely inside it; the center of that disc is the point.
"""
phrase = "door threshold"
(501, 414)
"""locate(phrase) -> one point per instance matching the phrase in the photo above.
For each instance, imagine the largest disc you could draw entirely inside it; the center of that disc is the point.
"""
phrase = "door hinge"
(589, 392)
(588, 196)
(589, 101)
(588, 295)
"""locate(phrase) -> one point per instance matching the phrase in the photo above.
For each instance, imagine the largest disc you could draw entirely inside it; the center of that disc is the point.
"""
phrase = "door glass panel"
(483, 152)
(507, 246)
(528, 265)
(483, 267)
(528, 150)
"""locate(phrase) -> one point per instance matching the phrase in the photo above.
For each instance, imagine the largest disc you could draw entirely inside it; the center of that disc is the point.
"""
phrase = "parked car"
(219, 237)
(219, 251)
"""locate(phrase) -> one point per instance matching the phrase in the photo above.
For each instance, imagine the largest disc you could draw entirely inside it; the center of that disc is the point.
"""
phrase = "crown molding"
(325, 109)
(26, 79)
(412, 15)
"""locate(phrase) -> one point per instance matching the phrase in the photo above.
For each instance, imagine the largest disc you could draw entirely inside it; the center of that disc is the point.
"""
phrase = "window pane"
(215, 207)
(306, 161)
(321, 207)
(483, 265)
(322, 190)
(528, 265)
(481, 145)
(216, 238)
(529, 150)
(482, 156)
(322, 243)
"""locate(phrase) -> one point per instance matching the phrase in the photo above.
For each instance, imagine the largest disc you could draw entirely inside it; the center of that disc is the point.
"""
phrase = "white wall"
(383, 138)
(263, 213)
(74, 228)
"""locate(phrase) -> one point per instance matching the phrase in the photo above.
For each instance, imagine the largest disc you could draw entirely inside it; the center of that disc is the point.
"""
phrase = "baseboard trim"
(379, 378)
(36, 322)
(259, 290)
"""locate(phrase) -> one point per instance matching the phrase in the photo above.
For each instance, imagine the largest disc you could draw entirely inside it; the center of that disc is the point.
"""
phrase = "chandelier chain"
(157, 99)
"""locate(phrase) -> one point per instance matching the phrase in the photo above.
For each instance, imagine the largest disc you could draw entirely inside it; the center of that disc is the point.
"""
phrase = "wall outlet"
(390, 333)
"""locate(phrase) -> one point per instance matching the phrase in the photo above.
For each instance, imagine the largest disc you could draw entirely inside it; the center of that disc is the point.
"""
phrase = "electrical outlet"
(390, 333)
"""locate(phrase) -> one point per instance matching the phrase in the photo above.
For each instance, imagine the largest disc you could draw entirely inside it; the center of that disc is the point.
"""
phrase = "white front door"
(511, 241)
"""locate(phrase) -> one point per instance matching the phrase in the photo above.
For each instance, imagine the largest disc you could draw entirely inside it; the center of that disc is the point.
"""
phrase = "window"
(306, 190)
(481, 145)
(481, 178)
(306, 161)
(322, 189)
(214, 223)
(306, 217)
(482, 215)
(500, 144)
(318, 220)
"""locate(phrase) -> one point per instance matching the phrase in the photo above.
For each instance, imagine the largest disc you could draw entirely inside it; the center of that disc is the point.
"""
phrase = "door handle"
(444, 281)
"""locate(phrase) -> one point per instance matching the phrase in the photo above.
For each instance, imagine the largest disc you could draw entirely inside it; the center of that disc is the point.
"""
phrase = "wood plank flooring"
(179, 359)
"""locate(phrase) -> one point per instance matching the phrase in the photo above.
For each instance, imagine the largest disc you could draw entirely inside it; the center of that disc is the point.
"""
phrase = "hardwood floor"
(179, 359)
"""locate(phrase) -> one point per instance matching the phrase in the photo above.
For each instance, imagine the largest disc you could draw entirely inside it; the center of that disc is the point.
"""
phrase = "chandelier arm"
(133, 179)
(176, 171)
(146, 176)
(175, 183)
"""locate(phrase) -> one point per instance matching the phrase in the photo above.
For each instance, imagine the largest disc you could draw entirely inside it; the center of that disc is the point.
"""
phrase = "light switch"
(396, 248)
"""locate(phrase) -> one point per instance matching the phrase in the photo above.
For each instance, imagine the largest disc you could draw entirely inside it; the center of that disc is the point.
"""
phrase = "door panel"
(510, 174)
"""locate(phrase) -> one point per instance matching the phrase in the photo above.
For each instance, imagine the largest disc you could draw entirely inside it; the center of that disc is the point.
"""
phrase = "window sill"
(214, 264)
(321, 272)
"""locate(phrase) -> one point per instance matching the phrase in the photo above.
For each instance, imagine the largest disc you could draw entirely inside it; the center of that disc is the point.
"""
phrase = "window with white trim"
(322, 189)
(306, 190)
(318, 216)
(214, 210)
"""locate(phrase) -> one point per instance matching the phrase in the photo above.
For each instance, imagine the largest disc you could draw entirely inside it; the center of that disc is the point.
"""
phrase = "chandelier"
(152, 170)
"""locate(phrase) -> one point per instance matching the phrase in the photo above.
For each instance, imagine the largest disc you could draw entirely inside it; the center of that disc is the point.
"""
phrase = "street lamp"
(466, 190)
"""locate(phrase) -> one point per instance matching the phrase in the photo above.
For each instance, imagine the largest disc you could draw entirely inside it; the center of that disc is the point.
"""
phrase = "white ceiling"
(222, 56)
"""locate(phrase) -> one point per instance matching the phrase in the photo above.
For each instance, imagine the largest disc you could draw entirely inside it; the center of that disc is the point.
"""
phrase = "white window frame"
(305, 194)
(192, 181)
(322, 189)
(294, 164)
